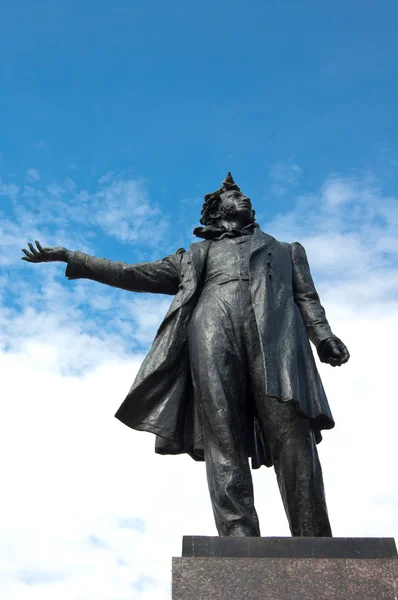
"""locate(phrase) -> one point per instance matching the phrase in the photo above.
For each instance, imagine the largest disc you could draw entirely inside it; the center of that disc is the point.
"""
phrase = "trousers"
(228, 379)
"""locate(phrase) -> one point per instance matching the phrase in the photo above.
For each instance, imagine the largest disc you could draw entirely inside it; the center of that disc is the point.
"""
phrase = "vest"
(228, 260)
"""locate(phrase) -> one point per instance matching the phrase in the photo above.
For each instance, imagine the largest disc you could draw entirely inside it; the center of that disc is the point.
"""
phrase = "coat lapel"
(260, 240)
(199, 252)
(192, 276)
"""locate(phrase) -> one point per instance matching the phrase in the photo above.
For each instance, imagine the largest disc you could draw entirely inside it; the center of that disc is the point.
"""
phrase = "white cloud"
(62, 214)
(77, 475)
(349, 229)
(10, 237)
(32, 175)
(9, 189)
(83, 519)
(339, 191)
(123, 211)
(90, 510)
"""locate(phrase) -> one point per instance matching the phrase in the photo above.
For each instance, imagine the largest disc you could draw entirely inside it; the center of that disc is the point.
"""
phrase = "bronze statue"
(231, 374)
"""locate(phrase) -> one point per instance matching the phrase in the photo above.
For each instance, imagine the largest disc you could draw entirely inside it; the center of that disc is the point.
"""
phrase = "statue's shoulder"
(198, 247)
(296, 250)
(176, 258)
(259, 233)
(281, 246)
(286, 245)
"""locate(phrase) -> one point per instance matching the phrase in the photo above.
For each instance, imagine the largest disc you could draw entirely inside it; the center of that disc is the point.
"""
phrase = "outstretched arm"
(330, 348)
(161, 276)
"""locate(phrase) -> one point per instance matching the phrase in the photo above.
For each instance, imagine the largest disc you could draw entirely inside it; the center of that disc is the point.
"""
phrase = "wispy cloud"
(10, 190)
(36, 577)
(349, 228)
(122, 210)
(283, 175)
(59, 213)
(32, 175)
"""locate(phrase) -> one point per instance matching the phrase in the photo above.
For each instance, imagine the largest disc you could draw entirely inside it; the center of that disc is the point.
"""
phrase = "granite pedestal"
(286, 569)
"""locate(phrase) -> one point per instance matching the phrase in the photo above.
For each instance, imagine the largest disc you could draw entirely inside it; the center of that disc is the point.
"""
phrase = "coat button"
(268, 262)
(269, 253)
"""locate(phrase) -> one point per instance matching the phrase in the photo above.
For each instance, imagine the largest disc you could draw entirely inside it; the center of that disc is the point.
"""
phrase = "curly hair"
(212, 211)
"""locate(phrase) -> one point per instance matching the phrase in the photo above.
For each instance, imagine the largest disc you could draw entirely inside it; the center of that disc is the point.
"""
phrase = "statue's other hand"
(40, 254)
(333, 352)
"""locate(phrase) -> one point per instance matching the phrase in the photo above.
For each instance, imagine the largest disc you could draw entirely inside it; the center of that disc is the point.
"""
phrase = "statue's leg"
(219, 375)
(298, 470)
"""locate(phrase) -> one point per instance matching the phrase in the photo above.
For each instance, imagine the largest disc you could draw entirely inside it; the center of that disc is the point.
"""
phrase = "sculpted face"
(236, 207)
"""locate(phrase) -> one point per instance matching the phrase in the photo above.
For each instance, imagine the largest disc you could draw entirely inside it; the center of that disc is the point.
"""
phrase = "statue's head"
(227, 204)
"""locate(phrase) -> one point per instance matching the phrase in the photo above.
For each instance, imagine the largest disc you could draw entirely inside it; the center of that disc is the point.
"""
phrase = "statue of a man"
(231, 374)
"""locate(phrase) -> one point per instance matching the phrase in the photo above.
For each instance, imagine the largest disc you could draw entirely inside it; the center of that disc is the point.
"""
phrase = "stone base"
(286, 569)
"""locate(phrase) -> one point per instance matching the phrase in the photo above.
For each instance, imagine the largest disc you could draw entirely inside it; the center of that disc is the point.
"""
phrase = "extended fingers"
(43, 250)
(29, 257)
(33, 249)
(34, 255)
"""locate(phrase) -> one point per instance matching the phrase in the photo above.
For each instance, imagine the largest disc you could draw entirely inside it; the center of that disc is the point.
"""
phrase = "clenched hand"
(333, 352)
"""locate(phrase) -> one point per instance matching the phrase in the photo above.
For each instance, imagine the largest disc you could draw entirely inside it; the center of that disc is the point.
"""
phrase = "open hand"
(39, 254)
(333, 352)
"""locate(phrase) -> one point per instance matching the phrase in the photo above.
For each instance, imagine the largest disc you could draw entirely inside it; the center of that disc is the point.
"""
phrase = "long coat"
(288, 313)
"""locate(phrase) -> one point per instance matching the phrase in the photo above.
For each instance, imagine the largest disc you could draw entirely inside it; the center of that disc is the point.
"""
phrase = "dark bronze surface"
(282, 547)
(231, 374)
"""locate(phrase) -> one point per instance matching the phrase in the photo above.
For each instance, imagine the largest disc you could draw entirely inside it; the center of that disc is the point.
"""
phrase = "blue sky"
(180, 92)
(115, 120)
